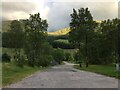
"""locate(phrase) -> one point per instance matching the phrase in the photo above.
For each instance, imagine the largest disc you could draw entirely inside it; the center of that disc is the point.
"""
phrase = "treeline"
(53, 40)
(98, 43)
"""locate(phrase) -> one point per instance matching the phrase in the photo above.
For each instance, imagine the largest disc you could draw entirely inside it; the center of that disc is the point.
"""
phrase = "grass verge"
(12, 73)
(108, 70)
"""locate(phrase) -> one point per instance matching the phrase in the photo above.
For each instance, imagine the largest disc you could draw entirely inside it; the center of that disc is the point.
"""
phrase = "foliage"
(67, 56)
(5, 57)
(62, 44)
(35, 37)
(45, 57)
(44, 60)
(97, 42)
(20, 61)
(81, 25)
(51, 38)
(58, 55)
(16, 38)
(102, 48)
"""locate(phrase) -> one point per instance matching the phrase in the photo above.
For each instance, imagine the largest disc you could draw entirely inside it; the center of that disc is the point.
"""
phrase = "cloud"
(59, 13)
(119, 9)
(18, 6)
(17, 10)
(14, 9)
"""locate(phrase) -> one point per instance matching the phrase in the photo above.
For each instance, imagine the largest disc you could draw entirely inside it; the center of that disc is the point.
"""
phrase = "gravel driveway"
(65, 76)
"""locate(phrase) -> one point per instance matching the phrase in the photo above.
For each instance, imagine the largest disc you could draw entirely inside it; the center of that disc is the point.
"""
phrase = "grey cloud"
(9, 8)
(119, 9)
(59, 14)
(18, 6)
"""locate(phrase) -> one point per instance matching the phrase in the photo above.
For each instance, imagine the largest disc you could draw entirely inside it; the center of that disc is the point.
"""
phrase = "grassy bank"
(108, 70)
(12, 73)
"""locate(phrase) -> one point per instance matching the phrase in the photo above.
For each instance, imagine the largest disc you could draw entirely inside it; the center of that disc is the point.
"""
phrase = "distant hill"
(60, 32)
(5, 26)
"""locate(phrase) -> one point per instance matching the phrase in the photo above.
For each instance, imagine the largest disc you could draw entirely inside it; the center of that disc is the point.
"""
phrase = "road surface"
(65, 76)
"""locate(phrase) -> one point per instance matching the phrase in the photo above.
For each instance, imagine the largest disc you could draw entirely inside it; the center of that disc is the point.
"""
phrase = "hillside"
(60, 32)
(5, 26)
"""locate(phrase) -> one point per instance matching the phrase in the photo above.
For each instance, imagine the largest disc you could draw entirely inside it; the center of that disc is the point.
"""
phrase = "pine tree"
(81, 26)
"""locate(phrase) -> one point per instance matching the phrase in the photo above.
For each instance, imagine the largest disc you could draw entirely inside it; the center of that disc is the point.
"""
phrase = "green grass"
(108, 70)
(12, 73)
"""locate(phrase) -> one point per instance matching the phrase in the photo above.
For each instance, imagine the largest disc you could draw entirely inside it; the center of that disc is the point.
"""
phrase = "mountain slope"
(60, 32)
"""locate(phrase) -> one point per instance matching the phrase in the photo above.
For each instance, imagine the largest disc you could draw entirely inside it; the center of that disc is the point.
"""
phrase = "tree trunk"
(86, 50)
(86, 64)
(80, 65)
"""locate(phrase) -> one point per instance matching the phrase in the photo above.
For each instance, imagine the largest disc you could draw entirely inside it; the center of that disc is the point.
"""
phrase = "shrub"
(20, 61)
(58, 55)
(67, 56)
(44, 60)
(6, 57)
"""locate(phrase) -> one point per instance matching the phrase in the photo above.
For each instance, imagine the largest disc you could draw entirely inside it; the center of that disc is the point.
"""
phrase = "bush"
(58, 55)
(67, 56)
(63, 45)
(44, 60)
(20, 61)
(6, 57)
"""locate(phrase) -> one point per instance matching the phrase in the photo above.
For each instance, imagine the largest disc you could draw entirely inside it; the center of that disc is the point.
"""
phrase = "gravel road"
(65, 76)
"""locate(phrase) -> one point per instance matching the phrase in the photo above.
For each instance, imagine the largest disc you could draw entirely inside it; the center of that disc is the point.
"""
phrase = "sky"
(57, 12)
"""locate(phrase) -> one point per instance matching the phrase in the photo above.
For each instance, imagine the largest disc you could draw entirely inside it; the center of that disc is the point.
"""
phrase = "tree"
(103, 48)
(35, 37)
(16, 39)
(81, 26)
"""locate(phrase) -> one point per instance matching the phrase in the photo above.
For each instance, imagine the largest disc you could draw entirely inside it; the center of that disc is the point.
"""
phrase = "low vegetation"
(108, 70)
(12, 73)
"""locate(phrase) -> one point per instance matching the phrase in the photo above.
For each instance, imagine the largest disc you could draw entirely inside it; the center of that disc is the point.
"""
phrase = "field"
(108, 70)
